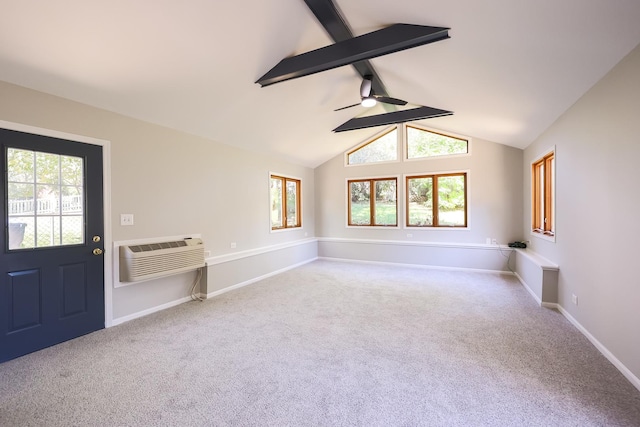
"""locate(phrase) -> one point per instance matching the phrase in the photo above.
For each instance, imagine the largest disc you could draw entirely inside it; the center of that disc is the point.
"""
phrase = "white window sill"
(547, 237)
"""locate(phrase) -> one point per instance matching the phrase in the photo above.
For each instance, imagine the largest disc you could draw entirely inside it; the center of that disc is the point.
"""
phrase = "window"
(437, 200)
(423, 143)
(383, 148)
(542, 185)
(285, 203)
(377, 209)
(45, 199)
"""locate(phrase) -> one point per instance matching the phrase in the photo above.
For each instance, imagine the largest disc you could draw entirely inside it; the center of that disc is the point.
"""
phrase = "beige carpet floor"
(330, 344)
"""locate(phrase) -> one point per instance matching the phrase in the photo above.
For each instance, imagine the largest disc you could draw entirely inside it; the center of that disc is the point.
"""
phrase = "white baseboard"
(148, 311)
(614, 360)
(533, 294)
(424, 266)
(256, 279)
(601, 348)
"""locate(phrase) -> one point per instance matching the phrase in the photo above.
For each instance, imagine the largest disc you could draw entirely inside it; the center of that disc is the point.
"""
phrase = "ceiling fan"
(357, 51)
(369, 99)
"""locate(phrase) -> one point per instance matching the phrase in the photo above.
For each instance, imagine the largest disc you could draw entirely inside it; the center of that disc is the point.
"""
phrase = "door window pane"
(71, 168)
(45, 199)
(72, 230)
(48, 198)
(47, 168)
(21, 163)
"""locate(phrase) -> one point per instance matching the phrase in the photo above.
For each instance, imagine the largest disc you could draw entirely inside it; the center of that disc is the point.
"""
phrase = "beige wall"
(494, 195)
(597, 202)
(174, 183)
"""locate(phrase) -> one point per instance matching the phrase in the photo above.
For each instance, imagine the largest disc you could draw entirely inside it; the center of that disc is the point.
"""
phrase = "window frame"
(405, 144)
(434, 176)
(372, 139)
(283, 201)
(543, 196)
(372, 181)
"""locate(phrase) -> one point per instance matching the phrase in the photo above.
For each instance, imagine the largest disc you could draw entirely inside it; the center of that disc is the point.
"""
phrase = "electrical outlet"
(409, 235)
(574, 299)
(233, 245)
(126, 219)
(494, 241)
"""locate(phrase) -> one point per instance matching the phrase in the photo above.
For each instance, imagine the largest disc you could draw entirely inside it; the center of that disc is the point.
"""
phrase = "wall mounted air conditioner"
(148, 261)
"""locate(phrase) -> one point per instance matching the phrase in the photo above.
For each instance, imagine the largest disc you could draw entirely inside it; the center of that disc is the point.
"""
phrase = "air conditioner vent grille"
(157, 246)
(148, 261)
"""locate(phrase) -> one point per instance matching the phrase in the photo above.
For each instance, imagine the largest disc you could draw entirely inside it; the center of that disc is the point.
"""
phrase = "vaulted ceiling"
(509, 70)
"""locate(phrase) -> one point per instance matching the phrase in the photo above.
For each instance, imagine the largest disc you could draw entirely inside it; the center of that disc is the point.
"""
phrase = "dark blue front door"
(51, 262)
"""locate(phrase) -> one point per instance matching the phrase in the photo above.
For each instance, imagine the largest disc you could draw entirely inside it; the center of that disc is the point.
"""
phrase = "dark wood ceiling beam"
(330, 18)
(388, 40)
(338, 29)
(392, 118)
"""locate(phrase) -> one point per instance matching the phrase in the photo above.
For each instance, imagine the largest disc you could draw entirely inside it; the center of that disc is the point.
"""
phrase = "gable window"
(373, 202)
(542, 188)
(437, 200)
(383, 148)
(422, 143)
(285, 202)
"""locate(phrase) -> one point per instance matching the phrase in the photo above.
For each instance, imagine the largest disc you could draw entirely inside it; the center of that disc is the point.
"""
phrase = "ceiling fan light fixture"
(368, 102)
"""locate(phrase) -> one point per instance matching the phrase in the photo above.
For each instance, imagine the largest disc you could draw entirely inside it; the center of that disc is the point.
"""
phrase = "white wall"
(597, 203)
(494, 199)
(174, 183)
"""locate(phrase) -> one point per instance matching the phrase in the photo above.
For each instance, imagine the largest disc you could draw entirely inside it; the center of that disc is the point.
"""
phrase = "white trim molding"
(470, 256)
(483, 246)
(220, 259)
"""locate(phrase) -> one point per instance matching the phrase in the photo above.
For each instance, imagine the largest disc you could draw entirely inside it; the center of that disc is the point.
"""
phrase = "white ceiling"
(510, 69)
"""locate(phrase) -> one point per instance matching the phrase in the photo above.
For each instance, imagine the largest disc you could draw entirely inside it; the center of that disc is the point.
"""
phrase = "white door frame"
(106, 184)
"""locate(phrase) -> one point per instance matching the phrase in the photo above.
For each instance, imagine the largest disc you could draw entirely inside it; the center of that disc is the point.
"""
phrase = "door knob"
(97, 251)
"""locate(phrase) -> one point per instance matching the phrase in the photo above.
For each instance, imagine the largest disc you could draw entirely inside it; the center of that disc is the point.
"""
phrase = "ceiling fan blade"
(348, 106)
(389, 100)
(365, 87)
